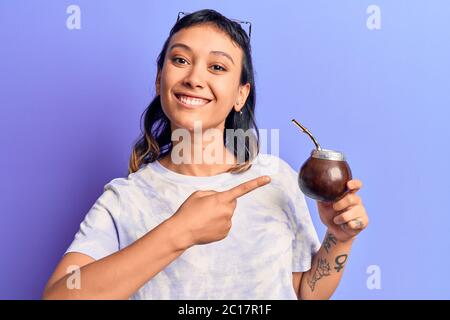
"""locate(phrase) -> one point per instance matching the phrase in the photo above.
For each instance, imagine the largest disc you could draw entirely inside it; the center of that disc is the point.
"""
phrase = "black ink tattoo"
(323, 270)
(329, 240)
(340, 261)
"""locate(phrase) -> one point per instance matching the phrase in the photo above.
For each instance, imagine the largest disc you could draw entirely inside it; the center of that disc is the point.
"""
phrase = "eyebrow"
(186, 47)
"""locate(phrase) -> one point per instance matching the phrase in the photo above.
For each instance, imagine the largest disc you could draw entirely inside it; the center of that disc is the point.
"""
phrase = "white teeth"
(192, 101)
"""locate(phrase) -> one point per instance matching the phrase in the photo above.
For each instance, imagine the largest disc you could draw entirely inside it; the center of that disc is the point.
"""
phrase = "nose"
(194, 78)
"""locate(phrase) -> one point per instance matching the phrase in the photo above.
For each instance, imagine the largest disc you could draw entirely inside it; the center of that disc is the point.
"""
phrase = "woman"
(199, 217)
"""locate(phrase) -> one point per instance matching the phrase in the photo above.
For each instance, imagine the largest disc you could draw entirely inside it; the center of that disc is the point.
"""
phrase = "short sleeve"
(98, 234)
(305, 243)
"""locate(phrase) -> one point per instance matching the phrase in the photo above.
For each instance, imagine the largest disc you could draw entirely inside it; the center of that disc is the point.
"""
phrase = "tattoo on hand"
(323, 270)
(340, 261)
(329, 240)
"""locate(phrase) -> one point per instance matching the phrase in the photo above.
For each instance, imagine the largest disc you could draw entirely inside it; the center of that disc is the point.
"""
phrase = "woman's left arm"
(344, 219)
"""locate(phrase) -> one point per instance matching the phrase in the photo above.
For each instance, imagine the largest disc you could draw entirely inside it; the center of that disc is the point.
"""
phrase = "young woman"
(182, 227)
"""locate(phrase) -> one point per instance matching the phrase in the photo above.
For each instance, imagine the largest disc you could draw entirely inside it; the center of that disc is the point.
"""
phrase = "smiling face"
(200, 79)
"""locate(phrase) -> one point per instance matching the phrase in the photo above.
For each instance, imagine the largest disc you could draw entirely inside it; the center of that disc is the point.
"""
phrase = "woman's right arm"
(119, 275)
(204, 217)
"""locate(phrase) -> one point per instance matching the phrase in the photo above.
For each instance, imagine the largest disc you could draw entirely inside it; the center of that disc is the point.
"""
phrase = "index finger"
(245, 188)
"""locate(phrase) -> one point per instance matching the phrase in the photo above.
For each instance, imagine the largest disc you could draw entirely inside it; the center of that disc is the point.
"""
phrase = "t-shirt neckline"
(187, 179)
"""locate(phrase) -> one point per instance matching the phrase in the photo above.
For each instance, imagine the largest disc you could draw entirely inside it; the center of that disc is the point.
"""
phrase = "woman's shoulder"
(133, 181)
(272, 164)
(282, 175)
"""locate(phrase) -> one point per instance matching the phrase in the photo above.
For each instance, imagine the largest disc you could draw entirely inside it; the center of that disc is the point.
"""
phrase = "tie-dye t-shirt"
(272, 233)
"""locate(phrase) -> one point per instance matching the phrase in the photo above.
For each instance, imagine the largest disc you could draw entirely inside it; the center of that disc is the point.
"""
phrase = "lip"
(177, 94)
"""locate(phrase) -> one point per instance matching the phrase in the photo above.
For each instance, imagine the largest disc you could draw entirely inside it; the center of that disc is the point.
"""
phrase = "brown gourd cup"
(324, 175)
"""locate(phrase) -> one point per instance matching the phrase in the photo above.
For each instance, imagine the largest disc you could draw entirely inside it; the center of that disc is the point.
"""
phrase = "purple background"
(70, 103)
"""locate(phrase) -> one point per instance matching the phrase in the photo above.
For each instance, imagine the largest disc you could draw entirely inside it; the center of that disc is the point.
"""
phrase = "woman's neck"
(216, 166)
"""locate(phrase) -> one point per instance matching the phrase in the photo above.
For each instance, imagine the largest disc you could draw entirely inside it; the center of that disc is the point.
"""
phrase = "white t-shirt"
(272, 233)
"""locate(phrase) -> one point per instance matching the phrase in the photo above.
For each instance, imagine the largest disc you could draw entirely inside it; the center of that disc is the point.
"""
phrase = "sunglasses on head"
(246, 25)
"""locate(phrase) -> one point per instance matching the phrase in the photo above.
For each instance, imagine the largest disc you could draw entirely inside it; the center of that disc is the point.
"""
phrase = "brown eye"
(217, 67)
(179, 60)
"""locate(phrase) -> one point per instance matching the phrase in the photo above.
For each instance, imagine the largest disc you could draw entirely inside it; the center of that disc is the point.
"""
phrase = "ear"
(158, 83)
(244, 91)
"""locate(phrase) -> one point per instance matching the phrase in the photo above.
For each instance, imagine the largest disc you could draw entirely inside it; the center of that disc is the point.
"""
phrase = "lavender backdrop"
(375, 86)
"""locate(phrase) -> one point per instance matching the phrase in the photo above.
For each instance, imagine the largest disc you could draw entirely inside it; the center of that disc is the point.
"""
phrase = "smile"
(191, 102)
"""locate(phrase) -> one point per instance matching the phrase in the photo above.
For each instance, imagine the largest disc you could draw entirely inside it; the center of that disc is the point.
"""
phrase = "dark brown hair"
(155, 139)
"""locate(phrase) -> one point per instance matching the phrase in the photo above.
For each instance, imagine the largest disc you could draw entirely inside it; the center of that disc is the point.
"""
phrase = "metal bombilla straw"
(308, 133)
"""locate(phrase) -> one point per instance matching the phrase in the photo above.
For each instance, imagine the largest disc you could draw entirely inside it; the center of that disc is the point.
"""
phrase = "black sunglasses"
(242, 23)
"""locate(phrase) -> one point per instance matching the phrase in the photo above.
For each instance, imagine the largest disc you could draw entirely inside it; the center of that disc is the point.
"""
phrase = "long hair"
(155, 139)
